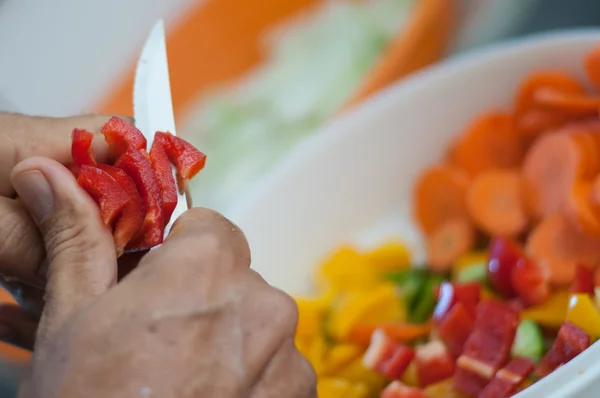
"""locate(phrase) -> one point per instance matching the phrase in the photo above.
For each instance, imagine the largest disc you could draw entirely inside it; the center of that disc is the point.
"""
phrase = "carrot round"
(555, 100)
(496, 203)
(592, 66)
(490, 141)
(582, 209)
(559, 245)
(448, 242)
(549, 170)
(440, 196)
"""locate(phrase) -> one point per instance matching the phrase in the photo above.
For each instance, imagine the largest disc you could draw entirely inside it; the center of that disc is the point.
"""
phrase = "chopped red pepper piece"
(105, 191)
(164, 175)
(504, 254)
(451, 293)
(120, 134)
(531, 281)
(138, 168)
(584, 280)
(387, 357)
(468, 379)
(81, 148)
(132, 217)
(434, 363)
(570, 342)
(187, 159)
(397, 389)
(455, 328)
(507, 380)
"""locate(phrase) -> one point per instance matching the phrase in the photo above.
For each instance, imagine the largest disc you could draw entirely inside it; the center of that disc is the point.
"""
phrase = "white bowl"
(352, 182)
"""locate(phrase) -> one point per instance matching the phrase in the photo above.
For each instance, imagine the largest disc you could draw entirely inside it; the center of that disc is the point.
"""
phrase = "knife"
(152, 104)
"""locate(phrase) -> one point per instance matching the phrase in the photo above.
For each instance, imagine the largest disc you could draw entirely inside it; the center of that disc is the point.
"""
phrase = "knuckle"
(20, 242)
(286, 309)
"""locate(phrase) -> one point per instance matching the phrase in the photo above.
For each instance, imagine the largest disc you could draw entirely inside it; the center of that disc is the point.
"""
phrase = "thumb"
(80, 251)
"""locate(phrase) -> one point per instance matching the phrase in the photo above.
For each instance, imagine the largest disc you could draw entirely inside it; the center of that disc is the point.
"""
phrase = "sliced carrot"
(555, 100)
(535, 122)
(440, 196)
(448, 242)
(596, 190)
(496, 203)
(559, 245)
(582, 209)
(490, 141)
(550, 168)
(592, 66)
(402, 332)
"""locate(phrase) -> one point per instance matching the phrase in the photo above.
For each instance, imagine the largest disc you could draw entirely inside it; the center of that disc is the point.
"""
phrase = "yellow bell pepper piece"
(330, 387)
(391, 256)
(340, 355)
(310, 315)
(346, 270)
(551, 313)
(355, 371)
(381, 304)
(583, 314)
(469, 259)
(443, 389)
(410, 376)
(316, 354)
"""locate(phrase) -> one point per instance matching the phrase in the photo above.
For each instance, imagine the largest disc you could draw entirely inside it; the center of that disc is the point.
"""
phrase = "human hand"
(192, 320)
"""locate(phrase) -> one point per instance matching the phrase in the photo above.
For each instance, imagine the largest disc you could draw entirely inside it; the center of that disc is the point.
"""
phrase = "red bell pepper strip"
(187, 159)
(570, 342)
(454, 329)
(81, 148)
(451, 293)
(397, 389)
(503, 257)
(120, 134)
(132, 217)
(139, 169)
(106, 192)
(507, 380)
(531, 282)
(164, 175)
(434, 363)
(471, 376)
(584, 280)
(387, 357)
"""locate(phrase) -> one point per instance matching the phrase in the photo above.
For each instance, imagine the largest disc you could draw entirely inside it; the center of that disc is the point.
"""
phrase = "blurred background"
(250, 79)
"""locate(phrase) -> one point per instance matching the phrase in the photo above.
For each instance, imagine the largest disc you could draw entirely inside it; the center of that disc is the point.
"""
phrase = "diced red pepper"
(397, 389)
(120, 134)
(507, 380)
(434, 363)
(468, 380)
(451, 293)
(584, 280)
(454, 329)
(138, 168)
(504, 254)
(387, 357)
(531, 281)
(570, 342)
(164, 175)
(132, 217)
(187, 159)
(81, 148)
(106, 192)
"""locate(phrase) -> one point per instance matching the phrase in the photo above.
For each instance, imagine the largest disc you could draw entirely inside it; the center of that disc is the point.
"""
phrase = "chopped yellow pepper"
(410, 376)
(355, 371)
(340, 355)
(310, 315)
(346, 270)
(391, 256)
(469, 259)
(316, 353)
(551, 313)
(443, 389)
(583, 314)
(329, 387)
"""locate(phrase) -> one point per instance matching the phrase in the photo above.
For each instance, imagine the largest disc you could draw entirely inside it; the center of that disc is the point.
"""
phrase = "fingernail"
(34, 190)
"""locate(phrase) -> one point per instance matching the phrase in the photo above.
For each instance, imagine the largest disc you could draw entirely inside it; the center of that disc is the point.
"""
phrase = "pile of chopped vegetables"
(136, 192)
(511, 287)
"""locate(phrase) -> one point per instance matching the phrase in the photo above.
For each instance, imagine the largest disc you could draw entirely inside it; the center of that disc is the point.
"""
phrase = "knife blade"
(152, 103)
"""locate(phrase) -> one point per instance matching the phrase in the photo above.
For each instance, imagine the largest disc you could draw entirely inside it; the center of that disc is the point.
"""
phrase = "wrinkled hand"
(192, 320)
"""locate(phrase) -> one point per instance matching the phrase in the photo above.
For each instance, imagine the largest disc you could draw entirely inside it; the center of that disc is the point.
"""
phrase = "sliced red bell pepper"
(507, 380)
(139, 169)
(434, 363)
(468, 378)
(187, 159)
(106, 192)
(570, 342)
(81, 148)
(531, 282)
(120, 134)
(164, 175)
(584, 280)
(387, 357)
(503, 257)
(451, 293)
(397, 389)
(132, 217)
(455, 328)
